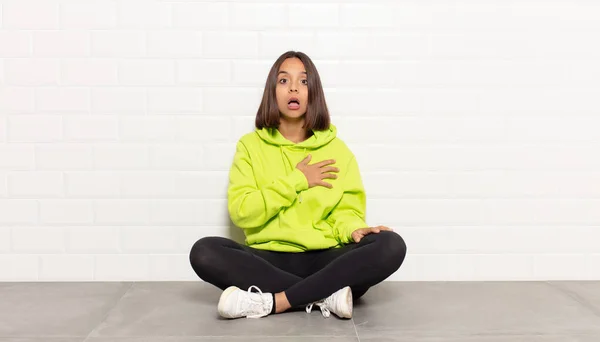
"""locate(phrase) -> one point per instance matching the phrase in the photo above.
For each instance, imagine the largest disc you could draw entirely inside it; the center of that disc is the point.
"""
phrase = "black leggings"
(305, 277)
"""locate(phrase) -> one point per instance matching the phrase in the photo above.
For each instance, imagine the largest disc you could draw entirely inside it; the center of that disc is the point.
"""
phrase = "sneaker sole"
(349, 301)
(223, 300)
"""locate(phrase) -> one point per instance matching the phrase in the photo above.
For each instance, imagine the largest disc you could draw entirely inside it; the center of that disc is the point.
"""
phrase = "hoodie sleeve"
(349, 214)
(250, 206)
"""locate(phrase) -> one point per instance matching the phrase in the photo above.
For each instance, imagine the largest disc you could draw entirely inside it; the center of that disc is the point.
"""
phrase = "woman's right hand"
(315, 173)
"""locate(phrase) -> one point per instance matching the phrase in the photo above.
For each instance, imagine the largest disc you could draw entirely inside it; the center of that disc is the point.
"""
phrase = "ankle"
(281, 302)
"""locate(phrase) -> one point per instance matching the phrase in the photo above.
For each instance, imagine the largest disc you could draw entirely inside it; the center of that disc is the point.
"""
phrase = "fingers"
(328, 175)
(306, 160)
(330, 169)
(358, 235)
(380, 228)
(325, 184)
(314, 176)
(325, 162)
(385, 228)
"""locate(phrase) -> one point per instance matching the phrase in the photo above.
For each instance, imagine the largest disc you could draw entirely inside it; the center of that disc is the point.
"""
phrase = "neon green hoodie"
(269, 198)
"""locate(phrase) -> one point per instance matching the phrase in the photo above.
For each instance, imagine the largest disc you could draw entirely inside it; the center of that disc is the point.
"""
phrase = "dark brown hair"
(317, 114)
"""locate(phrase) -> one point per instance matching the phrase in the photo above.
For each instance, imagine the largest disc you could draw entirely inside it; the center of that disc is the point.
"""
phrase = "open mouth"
(293, 103)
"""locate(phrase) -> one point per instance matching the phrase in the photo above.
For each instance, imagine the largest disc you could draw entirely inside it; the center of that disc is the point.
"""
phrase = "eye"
(282, 80)
(305, 81)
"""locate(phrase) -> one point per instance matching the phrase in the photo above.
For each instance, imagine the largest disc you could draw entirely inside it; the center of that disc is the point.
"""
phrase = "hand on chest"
(288, 160)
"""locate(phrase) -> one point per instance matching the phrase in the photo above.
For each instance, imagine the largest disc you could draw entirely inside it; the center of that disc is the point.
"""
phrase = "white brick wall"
(475, 125)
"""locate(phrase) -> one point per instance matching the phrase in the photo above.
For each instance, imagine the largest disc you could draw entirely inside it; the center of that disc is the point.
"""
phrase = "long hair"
(317, 115)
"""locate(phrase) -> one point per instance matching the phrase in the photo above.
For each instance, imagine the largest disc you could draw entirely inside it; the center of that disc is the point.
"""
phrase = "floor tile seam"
(355, 330)
(109, 312)
(573, 295)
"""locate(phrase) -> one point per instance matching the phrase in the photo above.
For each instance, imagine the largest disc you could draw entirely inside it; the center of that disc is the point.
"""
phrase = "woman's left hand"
(360, 233)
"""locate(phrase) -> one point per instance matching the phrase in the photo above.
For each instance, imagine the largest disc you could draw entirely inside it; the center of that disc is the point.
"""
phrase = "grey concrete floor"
(391, 311)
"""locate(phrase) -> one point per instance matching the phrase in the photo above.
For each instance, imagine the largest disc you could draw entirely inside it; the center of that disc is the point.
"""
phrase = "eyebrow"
(285, 72)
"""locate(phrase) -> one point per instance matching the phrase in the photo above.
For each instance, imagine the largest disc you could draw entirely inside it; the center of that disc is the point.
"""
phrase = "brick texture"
(475, 125)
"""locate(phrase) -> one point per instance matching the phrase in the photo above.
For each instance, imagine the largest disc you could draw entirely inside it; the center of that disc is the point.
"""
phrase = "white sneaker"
(235, 303)
(340, 303)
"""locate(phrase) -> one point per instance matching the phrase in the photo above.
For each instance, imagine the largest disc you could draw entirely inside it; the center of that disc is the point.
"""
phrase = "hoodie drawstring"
(289, 166)
(286, 160)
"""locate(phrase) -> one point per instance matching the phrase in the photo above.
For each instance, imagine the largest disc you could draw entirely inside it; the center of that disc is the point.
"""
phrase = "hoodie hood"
(318, 139)
(287, 147)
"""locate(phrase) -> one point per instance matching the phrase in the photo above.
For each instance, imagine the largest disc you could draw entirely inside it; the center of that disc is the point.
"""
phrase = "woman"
(306, 239)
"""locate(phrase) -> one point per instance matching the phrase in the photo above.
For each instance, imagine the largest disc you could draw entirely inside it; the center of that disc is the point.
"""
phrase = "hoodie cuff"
(298, 180)
(349, 228)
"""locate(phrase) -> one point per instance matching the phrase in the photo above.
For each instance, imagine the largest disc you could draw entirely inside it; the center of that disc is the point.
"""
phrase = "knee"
(392, 248)
(202, 253)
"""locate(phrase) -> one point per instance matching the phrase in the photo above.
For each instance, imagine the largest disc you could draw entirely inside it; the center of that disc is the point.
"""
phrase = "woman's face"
(292, 89)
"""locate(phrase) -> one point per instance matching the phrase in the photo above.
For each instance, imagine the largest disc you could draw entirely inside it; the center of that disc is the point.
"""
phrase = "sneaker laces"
(255, 304)
(322, 305)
